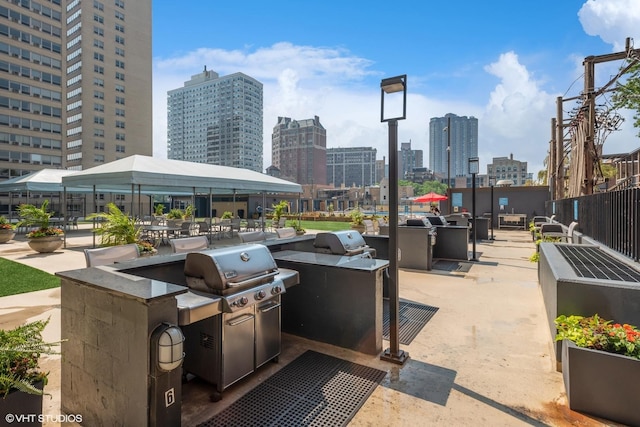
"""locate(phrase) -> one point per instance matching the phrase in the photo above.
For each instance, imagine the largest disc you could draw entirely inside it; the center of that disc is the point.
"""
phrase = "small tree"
(627, 94)
(159, 209)
(279, 209)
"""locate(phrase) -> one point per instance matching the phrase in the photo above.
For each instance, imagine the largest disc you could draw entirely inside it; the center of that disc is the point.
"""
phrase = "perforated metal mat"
(411, 319)
(594, 263)
(452, 266)
(314, 390)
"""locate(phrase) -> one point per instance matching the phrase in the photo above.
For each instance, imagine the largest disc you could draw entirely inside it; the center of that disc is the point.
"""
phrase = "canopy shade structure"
(156, 176)
(429, 198)
(44, 180)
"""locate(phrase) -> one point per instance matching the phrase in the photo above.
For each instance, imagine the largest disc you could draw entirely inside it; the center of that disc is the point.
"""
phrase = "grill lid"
(233, 267)
(344, 242)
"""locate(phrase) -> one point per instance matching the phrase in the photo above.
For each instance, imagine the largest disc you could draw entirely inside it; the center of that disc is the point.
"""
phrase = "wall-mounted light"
(169, 342)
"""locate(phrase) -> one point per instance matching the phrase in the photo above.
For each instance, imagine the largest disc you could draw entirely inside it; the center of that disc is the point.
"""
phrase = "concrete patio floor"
(484, 359)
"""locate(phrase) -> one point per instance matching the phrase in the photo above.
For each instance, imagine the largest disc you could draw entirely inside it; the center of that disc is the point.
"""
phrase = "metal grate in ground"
(411, 319)
(314, 390)
(452, 266)
(592, 262)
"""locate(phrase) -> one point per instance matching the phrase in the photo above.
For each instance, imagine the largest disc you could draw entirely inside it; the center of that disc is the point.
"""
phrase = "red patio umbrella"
(430, 197)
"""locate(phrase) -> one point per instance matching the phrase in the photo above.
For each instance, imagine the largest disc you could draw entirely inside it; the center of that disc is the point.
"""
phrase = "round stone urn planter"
(45, 244)
(6, 235)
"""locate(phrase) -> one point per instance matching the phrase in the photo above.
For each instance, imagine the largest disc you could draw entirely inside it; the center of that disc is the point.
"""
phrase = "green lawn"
(321, 225)
(18, 278)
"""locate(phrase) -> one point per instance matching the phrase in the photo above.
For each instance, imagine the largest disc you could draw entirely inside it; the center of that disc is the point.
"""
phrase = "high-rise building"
(216, 120)
(299, 150)
(506, 168)
(463, 139)
(75, 84)
(354, 166)
(381, 169)
(408, 159)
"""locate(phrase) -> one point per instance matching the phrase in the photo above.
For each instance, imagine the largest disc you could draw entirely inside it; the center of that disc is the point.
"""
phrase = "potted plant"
(21, 379)
(278, 210)
(299, 230)
(44, 238)
(159, 209)
(600, 367)
(357, 220)
(7, 231)
(226, 215)
(118, 228)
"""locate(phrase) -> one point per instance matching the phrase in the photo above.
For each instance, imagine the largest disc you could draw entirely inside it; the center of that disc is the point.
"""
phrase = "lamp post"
(389, 86)
(491, 182)
(474, 167)
(448, 130)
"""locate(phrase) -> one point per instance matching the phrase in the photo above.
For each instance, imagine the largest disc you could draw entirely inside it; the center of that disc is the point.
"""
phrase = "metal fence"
(611, 218)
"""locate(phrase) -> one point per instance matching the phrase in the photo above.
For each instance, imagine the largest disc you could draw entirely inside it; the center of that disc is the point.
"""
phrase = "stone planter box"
(601, 384)
(6, 235)
(22, 409)
(46, 244)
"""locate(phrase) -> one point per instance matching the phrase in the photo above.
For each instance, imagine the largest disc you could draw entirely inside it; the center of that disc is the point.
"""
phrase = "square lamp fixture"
(393, 85)
(474, 165)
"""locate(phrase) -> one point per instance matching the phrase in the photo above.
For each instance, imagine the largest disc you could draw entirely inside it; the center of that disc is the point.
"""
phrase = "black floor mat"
(314, 390)
(412, 318)
(452, 266)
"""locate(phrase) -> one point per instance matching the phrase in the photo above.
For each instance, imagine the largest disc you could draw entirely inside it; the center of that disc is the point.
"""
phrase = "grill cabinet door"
(267, 331)
(238, 339)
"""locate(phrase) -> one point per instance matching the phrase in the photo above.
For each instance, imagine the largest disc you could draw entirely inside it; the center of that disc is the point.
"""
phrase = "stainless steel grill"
(225, 348)
(346, 242)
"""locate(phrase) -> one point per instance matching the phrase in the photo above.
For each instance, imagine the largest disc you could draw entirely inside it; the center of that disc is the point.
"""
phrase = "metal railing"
(611, 218)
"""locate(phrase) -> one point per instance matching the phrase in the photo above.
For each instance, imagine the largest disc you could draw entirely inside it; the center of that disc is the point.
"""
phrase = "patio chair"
(570, 230)
(286, 232)
(235, 225)
(203, 228)
(368, 226)
(185, 229)
(252, 236)
(548, 229)
(282, 222)
(189, 244)
(111, 254)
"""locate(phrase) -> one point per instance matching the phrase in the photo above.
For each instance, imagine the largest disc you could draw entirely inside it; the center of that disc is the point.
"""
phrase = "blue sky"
(500, 63)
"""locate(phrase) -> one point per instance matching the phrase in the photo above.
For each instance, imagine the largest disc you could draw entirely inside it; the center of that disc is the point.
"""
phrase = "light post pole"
(388, 86)
(491, 182)
(448, 129)
(474, 167)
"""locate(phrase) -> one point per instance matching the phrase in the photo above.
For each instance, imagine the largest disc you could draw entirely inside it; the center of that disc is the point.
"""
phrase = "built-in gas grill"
(224, 348)
(346, 242)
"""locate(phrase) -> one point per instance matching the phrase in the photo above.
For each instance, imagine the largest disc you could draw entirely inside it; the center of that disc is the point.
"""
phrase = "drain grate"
(411, 319)
(592, 262)
(314, 390)
(452, 266)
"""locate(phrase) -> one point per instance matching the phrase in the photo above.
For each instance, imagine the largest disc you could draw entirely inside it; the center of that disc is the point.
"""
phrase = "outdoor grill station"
(136, 329)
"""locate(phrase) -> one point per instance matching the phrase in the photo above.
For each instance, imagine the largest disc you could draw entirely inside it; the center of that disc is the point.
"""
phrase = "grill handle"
(270, 307)
(251, 280)
(239, 320)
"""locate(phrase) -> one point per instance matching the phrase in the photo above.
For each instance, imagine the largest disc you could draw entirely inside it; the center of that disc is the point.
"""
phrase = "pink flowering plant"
(599, 334)
(4, 224)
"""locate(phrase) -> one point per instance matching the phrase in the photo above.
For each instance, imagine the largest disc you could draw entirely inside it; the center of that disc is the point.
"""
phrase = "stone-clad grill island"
(120, 321)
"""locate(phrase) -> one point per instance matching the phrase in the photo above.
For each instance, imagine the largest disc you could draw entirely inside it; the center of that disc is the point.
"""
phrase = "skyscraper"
(75, 84)
(299, 150)
(464, 144)
(354, 166)
(107, 92)
(408, 159)
(216, 120)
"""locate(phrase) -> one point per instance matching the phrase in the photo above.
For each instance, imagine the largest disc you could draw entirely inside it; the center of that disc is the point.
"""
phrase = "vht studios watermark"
(42, 418)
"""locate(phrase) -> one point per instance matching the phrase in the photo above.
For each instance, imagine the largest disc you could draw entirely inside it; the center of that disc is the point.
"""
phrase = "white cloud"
(517, 118)
(611, 20)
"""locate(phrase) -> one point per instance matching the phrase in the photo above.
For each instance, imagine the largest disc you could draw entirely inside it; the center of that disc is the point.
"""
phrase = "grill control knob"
(260, 295)
(242, 301)
(276, 290)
